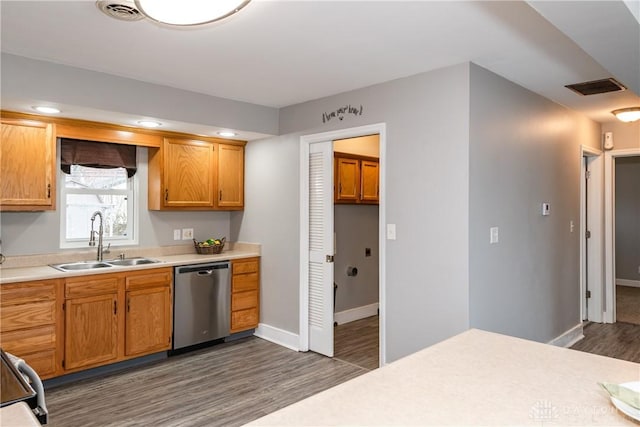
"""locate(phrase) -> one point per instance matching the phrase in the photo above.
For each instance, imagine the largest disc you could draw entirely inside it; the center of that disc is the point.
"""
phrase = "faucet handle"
(107, 251)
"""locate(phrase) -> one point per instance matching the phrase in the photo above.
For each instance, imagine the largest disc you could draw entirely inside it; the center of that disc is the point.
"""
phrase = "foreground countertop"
(44, 272)
(475, 378)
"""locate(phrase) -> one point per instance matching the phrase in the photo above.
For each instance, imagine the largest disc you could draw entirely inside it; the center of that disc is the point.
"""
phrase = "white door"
(321, 247)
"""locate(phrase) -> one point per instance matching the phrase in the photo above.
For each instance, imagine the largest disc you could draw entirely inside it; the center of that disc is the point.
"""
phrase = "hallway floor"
(628, 304)
(619, 340)
(357, 343)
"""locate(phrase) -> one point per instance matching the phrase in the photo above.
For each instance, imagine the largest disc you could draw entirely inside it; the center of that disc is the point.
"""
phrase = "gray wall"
(19, 230)
(628, 218)
(524, 150)
(49, 82)
(427, 197)
(356, 228)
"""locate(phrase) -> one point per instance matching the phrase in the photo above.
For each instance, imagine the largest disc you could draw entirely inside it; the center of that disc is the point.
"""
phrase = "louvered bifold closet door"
(321, 248)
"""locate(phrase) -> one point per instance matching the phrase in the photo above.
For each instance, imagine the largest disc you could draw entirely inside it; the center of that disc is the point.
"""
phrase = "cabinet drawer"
(244, 300)
(244, 282)
(22, 293)
(27, 315)
(241, 267)
(43, 362)
(244, 319)
(96, 285)
(29, 340)
(149, 279)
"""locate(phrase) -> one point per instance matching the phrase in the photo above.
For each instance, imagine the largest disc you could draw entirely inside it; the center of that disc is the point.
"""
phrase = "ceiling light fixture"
(189, 12)
(149, 123)
(628, 115)
(227, 133)
(46, 109)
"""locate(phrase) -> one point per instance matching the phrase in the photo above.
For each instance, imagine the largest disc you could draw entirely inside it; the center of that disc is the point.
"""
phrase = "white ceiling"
(278, 53)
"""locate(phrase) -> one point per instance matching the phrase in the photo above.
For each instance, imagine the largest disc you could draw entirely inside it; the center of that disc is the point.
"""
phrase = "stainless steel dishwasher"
(202, 304)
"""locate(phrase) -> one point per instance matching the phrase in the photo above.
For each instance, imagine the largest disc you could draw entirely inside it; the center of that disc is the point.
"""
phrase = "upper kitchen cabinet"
(189, 174)
(27, 165)
(230, 177)
(356, 179)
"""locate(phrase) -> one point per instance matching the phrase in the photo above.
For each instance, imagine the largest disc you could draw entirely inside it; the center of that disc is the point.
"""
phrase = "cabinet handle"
(220, 195)
(166, 194)
(115, 307)
(128, 305)
(48, 191)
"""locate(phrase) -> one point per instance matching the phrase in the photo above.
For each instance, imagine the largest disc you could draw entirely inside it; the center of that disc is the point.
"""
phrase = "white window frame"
(132, 212)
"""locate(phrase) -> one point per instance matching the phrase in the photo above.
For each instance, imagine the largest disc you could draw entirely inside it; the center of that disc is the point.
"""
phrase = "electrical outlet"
(187, 233)
(367, 252)
(176, 234)
(494, 235)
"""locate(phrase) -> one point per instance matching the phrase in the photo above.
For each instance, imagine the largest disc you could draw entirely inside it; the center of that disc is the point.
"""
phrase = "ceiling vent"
(123, 10)
(597, 86)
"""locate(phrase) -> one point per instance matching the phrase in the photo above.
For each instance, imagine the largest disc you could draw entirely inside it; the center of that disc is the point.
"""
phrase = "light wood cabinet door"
(188, 173)
(27, 166)
(230, 176)
(369, 179)
(347, 179)
(91, 331)
(148, 321)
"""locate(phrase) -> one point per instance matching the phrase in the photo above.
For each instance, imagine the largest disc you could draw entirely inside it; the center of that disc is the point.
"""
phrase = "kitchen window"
(97, 184)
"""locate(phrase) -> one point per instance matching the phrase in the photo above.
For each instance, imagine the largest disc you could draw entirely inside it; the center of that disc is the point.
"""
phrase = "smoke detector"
(124, 10)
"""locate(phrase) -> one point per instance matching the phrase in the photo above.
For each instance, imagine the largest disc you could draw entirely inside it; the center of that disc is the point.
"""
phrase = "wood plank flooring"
(618, 340)
(628, 304)
(225, 385)
(358, 343)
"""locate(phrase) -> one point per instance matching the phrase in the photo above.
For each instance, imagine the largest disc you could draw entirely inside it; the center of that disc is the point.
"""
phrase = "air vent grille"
(597, 86)
(120, 9)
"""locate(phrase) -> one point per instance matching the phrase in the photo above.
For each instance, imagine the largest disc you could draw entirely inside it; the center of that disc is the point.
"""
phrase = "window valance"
(103, 155)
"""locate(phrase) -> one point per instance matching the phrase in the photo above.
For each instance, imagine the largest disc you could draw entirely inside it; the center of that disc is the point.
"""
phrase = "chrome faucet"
(92, 237)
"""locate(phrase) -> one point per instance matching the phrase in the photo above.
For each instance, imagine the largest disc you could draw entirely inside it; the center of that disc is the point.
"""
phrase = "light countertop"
(475, 378)
(43, 272)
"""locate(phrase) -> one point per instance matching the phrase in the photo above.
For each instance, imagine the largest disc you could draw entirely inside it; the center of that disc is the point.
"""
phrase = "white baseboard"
(568, 338)
(278, 336)
(357, 313)
(627, 282)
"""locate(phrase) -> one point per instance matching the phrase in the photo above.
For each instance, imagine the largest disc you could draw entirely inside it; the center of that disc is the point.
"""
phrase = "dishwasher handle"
(205, 273)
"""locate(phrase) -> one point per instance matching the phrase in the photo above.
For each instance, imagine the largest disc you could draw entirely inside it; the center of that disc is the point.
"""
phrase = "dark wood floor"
(628, 304)
(618, 340)
(358, 343)
(226, 385)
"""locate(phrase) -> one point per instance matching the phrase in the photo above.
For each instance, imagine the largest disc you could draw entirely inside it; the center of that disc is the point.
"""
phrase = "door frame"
(610, 228)
(591, 256)
(305, 141)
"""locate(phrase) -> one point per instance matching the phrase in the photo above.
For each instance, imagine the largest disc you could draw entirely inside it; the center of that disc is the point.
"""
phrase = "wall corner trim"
(568, 338)
(278, 336)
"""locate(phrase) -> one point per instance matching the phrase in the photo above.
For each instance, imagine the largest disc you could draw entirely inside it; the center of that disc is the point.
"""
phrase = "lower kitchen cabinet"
(245, 294)
(148, 317)
(114, 317)
(31, 324)
(91, 321)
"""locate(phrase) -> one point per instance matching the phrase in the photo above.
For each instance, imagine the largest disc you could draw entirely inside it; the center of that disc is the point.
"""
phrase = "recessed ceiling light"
(227, 133)
(46, 109)
(149, 123)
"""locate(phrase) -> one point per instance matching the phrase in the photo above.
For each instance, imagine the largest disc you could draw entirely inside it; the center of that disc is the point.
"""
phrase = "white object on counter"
(18, 414)
(475, 378)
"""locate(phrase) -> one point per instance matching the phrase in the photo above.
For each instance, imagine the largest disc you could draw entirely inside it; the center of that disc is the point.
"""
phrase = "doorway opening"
(356, 263)
(610, 228)
(625, 174)
(317, 247)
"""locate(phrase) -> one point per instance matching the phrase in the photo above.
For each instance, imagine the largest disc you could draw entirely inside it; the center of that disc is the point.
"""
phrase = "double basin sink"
(92, 265)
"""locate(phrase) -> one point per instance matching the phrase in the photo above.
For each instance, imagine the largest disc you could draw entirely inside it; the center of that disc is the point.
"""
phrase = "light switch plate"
(391, 232)
(493, 235)
(176, 234)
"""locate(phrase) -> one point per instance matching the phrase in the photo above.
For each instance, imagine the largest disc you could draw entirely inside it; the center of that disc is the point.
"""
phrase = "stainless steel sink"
(132, 261)
(86, 265)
